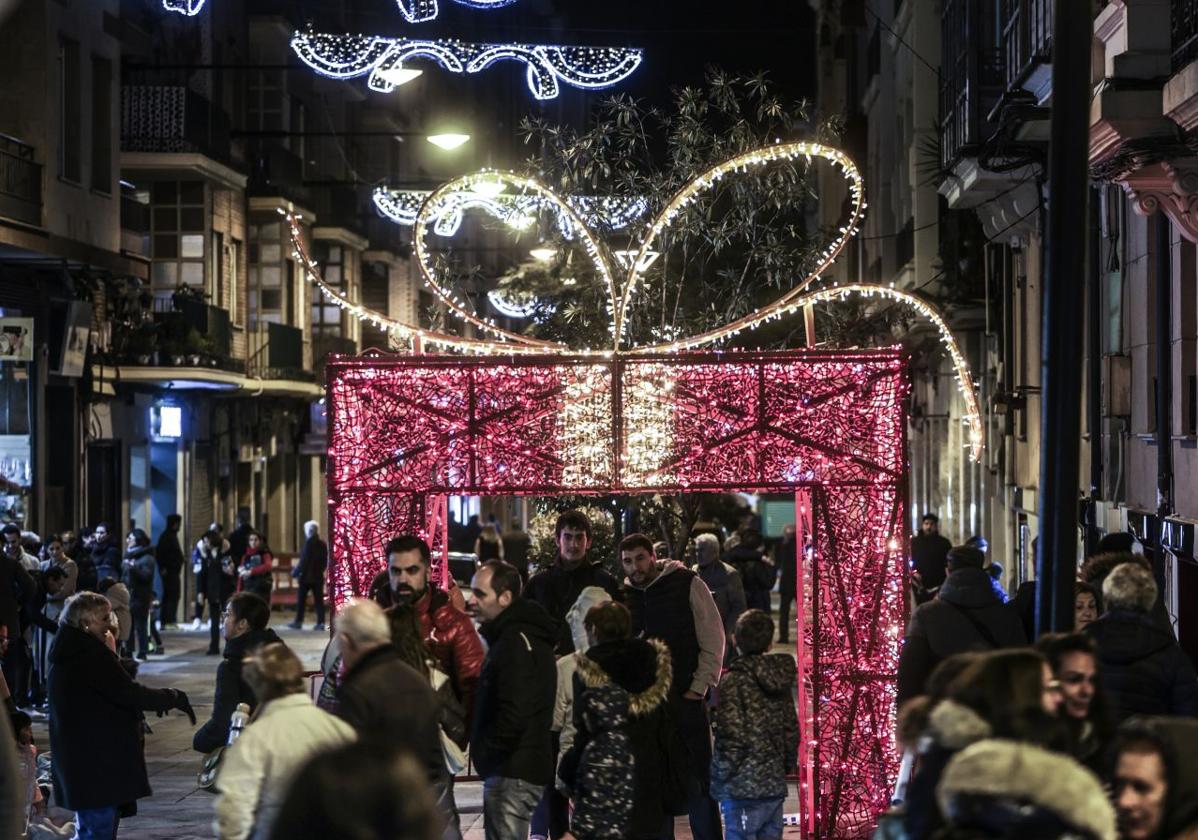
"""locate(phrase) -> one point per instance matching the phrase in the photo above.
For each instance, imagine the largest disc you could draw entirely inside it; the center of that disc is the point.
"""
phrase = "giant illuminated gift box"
(405, 432)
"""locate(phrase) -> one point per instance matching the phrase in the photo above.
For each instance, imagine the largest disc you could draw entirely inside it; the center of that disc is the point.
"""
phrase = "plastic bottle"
(241, 716)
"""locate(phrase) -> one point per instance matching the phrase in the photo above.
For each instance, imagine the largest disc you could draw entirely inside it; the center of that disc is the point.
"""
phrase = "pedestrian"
(671, 603)
(448, 632)
(384, 699)
(1155, 783)
(117, 595)
(557, 587)
(510, 742)
(309, 576)
(33, 804)
(488, 546)
(216, 582)
(756, 734)
(516, 544)
(106, 555)
(454, 727)
(643, 670)
(199, 553)
(723, 581)
(14, 544)
(997, 788)
(359, 792)
(1009, 694)
(99, 768)
(245, 629)
(1142, 668)
(470, 532)
(929, 557)
(965, 615)
(17, 592)
(239, 537)
(604, 782)
(1073, 659)
(137, 573)
(56, 557)
(1085, 606)
(255, 570)
(756, 572)
(786, 557)
(43, 617)
(169, 556)
(11, 821)
(286, 732)
(1098, 568)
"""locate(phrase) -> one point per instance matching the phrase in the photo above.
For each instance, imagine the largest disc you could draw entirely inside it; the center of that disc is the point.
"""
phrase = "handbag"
(455, 756)
(209, 767)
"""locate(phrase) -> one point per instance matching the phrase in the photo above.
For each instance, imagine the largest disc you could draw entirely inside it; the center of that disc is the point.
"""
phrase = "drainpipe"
(1164, 370)
(1094, 351)
(1061, 328)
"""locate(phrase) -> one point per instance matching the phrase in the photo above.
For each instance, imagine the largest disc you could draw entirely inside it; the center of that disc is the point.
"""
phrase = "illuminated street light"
(448, 142)
(400, 75)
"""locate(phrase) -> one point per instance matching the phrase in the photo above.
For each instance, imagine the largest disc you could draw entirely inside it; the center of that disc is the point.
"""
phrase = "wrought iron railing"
(20, 182)
(1185, 32)
(1026, 37)
(972, 79)
(172, 119)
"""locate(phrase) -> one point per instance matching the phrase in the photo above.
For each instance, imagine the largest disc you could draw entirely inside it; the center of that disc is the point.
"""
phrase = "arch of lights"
(516, 415)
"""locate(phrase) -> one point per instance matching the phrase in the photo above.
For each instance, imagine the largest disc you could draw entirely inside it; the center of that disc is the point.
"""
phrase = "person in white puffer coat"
(286, 731)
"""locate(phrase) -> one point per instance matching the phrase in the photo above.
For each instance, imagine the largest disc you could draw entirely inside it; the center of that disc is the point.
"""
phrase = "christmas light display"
(406, 431)
(418, 11)
(184, 7)
(517, 211)
(549, 66)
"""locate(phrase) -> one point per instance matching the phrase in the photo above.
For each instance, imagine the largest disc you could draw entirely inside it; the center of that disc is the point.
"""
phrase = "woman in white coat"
(286, 731)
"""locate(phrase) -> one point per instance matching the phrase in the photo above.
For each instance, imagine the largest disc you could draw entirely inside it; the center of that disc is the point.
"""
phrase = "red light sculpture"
(404, 432)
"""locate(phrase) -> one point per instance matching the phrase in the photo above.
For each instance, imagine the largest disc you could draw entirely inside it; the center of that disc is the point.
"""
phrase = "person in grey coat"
(727, 589)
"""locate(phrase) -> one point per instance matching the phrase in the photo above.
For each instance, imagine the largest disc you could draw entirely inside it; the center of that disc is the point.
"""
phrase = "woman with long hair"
(256, 569)
(1074, 662)
(137, 573)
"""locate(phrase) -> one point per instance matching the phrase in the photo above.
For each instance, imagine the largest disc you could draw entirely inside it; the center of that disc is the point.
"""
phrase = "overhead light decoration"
(627, 256)
(543, 254)
(549, 66)
(518, 212)
(184, 7)
(794, 300)
(448, 142)
(400, 75)
(418, 11)
(488, 187)
(521, 306)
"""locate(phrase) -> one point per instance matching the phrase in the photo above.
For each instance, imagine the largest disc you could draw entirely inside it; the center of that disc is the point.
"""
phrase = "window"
(264, 101)
(219, 270)
(233, 274)
(101, 125)
(70, 135)
(268, 298)
(326, 316)
(178, 221)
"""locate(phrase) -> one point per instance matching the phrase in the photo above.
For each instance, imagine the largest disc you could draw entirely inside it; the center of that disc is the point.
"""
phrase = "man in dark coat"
(239, 539)
(169, 556)
(99, 767)
(216, 581)
(929, 555)
(510, 741)
(1142, 668)
(724, 582)
(309, 576)
(965, 615)
(558, 587)
(384, 699)
(246, 617)
(106, 554)
(756, 573)
(18, 591)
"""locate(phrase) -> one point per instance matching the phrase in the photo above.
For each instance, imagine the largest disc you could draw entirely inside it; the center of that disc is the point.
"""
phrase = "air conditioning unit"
(1116, 385)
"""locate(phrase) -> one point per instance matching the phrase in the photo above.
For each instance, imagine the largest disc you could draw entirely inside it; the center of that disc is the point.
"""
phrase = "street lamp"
(400, 75)
(448, 142)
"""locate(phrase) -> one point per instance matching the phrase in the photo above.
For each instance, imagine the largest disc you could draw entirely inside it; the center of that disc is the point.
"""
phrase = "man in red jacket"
(449, 633)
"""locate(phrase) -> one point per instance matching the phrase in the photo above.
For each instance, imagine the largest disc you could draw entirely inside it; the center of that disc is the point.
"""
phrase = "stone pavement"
(178, 809)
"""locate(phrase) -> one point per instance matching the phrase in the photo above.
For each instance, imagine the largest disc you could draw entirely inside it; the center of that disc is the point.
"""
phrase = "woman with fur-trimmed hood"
(643, 670)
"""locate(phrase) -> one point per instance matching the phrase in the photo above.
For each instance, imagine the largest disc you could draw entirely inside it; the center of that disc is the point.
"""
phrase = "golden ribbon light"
(506, 342)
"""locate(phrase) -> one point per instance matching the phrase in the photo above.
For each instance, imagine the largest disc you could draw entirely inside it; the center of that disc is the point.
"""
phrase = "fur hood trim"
(954, 726)
(1026, 773)
(643, 702)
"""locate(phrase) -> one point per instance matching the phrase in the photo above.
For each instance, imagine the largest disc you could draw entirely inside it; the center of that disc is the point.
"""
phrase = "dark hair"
(609, 622)
(140, 537)
(243, 514)
(54, 573)
(634, 541)
(575, 520)
(754, 632)
(1055, 647)
(11, 528)
(964, 557)
(250, 607)
(106, 584)
(19, 721)
(214, 535)
(173, 519)
(1005, 688)
(751, 538)
(408, 637)
(100, 525)
(504, 578)
(409, 542)
(1119, 541)
(359, 792)
(930, 517)
(1080, 587)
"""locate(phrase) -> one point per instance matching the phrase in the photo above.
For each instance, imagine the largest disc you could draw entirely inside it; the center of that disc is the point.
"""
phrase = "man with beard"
(558, 587)
(448, 633)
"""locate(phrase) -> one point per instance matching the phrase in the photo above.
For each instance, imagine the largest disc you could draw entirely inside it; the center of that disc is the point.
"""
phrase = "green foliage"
(600, 510)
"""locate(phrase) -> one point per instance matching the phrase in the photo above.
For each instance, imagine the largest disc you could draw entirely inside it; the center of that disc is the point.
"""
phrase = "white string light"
(516, 307)
(418, 11)
(184, 7)
(351, 56)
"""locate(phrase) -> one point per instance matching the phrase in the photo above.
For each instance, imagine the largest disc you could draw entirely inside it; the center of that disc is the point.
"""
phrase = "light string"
(352, 56)
(419, 11)
(190, 8)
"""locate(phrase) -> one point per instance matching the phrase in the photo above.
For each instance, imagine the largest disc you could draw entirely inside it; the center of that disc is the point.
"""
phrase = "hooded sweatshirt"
(563, 706)
(756, 729)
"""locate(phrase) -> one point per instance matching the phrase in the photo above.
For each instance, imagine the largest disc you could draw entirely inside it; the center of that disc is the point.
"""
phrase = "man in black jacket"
(929, 556)
(169, 556)
(513, 710)
(966, 615)
(99, 767)
(244, 619)
(384, 699)
(18, 590)
(309, 576)
(1143, 669)
(239, 538)
(558, 587)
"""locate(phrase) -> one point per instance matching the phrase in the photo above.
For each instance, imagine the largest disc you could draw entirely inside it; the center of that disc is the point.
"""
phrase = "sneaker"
(318, 627)
(295, 625)
(195, 626)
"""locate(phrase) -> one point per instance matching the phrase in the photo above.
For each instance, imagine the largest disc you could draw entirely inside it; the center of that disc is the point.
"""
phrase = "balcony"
(1027, 45)
(277, 172)
(20, 182)
(279, 354)
(1184, 32)
(172, 119)
(972, 80)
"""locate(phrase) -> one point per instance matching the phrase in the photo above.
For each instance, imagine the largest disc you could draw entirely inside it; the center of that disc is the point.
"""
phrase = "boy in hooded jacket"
(756, 734)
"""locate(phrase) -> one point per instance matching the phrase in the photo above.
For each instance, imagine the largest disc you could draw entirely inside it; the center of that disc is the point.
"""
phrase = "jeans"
(694, 728)
(317, 591)
(507, 807)
(141, 626)
(97, 823)
(449, 809)
(752, 819)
